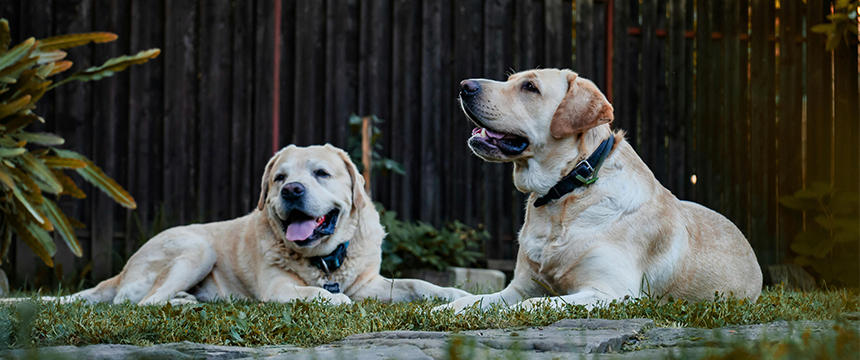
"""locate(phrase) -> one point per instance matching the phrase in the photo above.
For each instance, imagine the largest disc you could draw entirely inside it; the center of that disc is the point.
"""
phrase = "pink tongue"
(298, 231)
(494, 135)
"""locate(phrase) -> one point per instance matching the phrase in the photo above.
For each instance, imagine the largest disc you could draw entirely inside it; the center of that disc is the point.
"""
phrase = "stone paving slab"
(570, 338)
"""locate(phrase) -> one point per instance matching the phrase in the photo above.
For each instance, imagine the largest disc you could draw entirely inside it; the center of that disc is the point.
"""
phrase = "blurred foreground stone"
(570, 338)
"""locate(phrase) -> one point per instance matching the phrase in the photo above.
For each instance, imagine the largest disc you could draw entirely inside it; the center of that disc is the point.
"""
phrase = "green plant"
(843, 23)
(417, 245)
(829, 243)
(30, 163)
(377, 161)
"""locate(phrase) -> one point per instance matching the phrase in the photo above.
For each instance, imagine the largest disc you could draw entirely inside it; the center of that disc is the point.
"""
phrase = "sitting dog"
(314, 234)
(598, 225)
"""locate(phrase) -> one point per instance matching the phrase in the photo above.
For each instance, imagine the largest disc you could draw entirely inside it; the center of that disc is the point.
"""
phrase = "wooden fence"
(738, 94)
(732, 104)
(189, 133)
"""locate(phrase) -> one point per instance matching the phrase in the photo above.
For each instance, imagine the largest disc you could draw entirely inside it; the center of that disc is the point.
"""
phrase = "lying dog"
(598, 225)
(314, 233)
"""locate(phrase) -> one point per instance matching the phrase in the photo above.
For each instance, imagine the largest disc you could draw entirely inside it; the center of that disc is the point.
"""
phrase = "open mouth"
(304, 229)
(508, 144)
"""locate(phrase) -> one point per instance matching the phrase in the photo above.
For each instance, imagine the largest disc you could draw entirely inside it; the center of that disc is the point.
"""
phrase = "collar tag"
(332, 287)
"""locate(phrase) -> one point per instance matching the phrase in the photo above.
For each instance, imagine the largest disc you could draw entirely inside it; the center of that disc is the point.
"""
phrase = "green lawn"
(314, 323)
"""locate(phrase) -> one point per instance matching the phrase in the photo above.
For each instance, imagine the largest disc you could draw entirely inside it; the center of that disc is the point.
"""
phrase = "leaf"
(847, 236)
(75, 40)
(9, 183)
(110, 67)
(38, 239)
(69, 186)
(812, 242)
(59, 67)
(19, 121)
(46, 57)
(5, 40)
(10, 152)
(63, 226)
(12, 56)
(41, 173)
(42, 138)
(97, 177)
(56, 162)
(14, 106)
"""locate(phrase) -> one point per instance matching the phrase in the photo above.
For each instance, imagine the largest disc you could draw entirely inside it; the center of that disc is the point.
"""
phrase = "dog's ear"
(264, 185)
(359, 195)
(582, 108)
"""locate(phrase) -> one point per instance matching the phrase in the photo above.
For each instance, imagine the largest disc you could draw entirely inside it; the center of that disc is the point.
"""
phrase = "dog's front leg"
(396, 290)
(285, 290)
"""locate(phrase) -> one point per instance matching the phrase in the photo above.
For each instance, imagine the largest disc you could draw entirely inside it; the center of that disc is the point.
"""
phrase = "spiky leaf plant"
(33, 171)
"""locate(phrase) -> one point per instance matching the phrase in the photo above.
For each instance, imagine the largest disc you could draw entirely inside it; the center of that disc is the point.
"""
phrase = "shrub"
(418, 245)
(829, 243)
(31, 164)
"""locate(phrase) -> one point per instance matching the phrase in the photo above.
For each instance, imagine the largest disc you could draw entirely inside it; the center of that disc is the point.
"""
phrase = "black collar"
(331, 262)
(583, 174)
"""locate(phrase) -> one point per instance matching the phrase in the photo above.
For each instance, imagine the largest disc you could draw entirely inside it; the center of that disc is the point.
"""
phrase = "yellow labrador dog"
(315, 233)
(598, 225)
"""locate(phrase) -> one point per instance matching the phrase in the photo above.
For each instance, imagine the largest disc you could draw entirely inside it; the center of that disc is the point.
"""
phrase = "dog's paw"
(182, 298)
(338, 299)
(451, 294)
(461, 304)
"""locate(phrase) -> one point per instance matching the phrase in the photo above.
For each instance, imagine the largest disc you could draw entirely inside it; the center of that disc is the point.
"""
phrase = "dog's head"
(310, 195)
(532, 117)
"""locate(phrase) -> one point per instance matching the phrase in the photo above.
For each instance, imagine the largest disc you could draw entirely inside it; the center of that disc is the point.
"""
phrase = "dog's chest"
(559, 230)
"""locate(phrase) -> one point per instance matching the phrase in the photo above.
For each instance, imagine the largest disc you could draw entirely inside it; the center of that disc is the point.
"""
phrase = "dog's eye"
(530, 86)
(320, 173)
(280, 177)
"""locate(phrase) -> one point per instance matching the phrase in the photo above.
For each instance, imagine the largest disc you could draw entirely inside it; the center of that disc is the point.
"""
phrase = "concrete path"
(571, 338)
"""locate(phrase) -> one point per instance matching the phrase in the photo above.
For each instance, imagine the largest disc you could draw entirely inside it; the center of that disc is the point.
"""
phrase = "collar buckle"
(584, 172)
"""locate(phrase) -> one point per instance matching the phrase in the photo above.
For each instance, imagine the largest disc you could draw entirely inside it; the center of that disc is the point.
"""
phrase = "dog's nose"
(292, 191)
(469, 88)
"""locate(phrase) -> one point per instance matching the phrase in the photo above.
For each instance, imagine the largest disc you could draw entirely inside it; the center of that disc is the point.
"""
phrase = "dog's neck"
(538, 174)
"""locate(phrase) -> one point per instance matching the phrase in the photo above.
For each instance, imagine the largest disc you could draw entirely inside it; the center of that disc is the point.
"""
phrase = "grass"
(314, 323)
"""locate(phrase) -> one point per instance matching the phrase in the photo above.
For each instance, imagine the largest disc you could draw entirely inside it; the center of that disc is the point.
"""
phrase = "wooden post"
(366, 151)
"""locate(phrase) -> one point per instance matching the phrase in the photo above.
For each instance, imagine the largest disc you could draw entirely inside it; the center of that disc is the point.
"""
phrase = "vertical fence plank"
(375, 50)
(310, 75)
(790, 118)
(626, 62)
(242, 200)
(761, 131)
(180, 112)
(406, 106)
(718, 154)
(341, 42)
(431, 67)
(109, 99)
(688, 109)
(213, 124)
(263, 97)
(291, 131)
(677, 63)
(498, 57)
(846, 174)
(737, 108)
(702, 92)
(467, 28)
(74, 122)
(819, 97)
